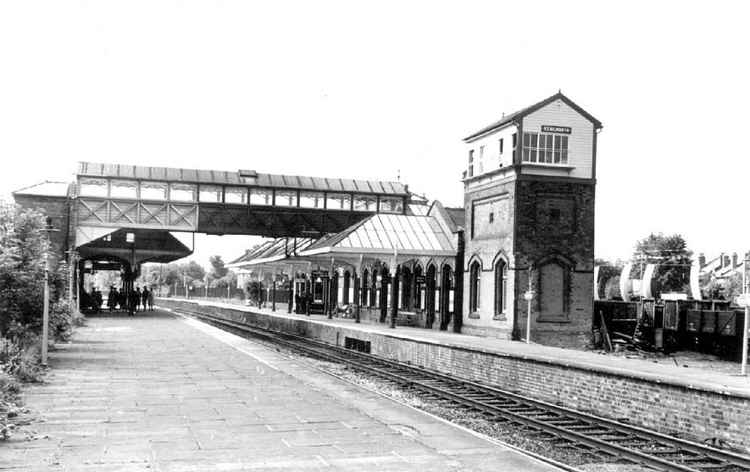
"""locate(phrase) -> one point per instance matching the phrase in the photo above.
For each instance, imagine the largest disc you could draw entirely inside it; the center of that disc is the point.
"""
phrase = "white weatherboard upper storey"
(580, 139)
(555, 112)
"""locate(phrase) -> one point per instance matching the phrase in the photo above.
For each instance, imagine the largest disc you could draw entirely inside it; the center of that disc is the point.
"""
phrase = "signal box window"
(545, 148)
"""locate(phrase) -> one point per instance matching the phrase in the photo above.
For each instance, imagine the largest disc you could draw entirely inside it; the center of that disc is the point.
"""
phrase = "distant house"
(718, 273)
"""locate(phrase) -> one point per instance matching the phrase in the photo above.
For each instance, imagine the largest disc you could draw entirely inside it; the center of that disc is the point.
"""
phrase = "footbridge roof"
(240, 177)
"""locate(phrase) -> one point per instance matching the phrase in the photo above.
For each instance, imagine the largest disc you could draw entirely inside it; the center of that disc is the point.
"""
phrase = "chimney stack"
(702, 260)
(734, 260)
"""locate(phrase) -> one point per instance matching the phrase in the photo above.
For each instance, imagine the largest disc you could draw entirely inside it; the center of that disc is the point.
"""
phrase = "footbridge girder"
(220, 202)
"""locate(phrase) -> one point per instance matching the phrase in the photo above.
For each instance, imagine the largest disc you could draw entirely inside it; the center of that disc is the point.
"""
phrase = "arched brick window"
(475, 273)
(501, 287)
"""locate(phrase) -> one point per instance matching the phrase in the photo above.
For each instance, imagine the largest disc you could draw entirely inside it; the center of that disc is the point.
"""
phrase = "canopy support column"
(273, 291)
(383, 296)
(332, 290)
(394, 295)
(357, 296)
(291, 301)
(458, 295)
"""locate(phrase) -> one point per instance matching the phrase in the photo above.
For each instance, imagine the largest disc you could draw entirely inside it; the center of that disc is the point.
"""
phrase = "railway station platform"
(691, 402)
(160, 392)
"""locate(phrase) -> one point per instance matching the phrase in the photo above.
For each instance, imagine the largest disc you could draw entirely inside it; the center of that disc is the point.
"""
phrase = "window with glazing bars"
(545, 148)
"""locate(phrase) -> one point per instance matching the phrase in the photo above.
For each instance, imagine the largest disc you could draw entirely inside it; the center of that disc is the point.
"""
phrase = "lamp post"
(528, 296)
(130, 239)
(45, 311)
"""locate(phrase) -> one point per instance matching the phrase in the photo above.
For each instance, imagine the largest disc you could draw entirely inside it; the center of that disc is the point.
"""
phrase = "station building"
(527, 225)
(529, 192)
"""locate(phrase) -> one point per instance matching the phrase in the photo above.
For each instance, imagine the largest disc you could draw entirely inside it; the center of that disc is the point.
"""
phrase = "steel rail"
(564, 423)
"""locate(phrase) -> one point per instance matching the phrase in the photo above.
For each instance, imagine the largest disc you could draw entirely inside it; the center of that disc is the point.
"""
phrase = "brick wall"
(555, 226)
(669, 408)
(485, 243)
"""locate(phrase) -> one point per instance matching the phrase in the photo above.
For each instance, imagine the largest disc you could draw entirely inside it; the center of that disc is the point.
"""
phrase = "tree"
(218, 270)
(673, 257)
(728, 288)
(23, 245)
(175, 273)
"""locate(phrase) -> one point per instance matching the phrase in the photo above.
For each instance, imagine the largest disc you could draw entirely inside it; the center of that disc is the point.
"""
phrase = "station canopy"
(380, 237)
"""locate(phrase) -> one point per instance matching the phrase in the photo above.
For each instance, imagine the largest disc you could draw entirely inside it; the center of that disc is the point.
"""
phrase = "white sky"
(355, 89)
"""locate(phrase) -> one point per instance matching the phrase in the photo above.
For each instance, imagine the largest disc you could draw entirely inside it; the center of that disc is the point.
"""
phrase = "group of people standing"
(133, 301)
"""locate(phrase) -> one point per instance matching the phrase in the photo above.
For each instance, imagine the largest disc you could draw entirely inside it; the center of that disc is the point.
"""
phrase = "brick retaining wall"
(688, 412)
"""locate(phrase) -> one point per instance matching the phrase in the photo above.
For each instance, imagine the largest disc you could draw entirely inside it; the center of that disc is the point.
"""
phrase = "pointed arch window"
(475, 273)
(501, 287)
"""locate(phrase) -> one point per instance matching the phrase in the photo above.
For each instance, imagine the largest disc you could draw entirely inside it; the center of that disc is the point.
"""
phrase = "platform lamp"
(528, 296)
(130, 239)
(48, 228)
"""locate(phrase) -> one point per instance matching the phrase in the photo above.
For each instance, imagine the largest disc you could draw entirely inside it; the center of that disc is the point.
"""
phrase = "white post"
(528, 296)
(746, 325)
(45, 314)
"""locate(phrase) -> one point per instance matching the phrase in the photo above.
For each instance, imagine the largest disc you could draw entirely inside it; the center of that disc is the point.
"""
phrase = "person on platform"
(98, 299)
(132, 302)
(151, 300)
(144, 298)
(137, 298)
(112, 298)
(123, 299)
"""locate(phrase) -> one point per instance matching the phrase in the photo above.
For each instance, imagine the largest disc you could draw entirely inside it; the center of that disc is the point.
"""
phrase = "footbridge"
(221, 202)
(115, 214)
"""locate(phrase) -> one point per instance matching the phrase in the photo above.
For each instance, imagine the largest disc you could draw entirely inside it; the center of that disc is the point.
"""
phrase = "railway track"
(601, 438)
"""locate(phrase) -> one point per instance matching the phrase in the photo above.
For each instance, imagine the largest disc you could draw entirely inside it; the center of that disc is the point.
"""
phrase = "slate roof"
(271, 251)
(382, 234)
(45, 189)
(92, 169)
(530, 109)
(457, 216)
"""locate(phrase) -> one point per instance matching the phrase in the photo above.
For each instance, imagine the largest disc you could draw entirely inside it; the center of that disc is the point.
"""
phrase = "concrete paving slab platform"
(163, 393)
(688, 377)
